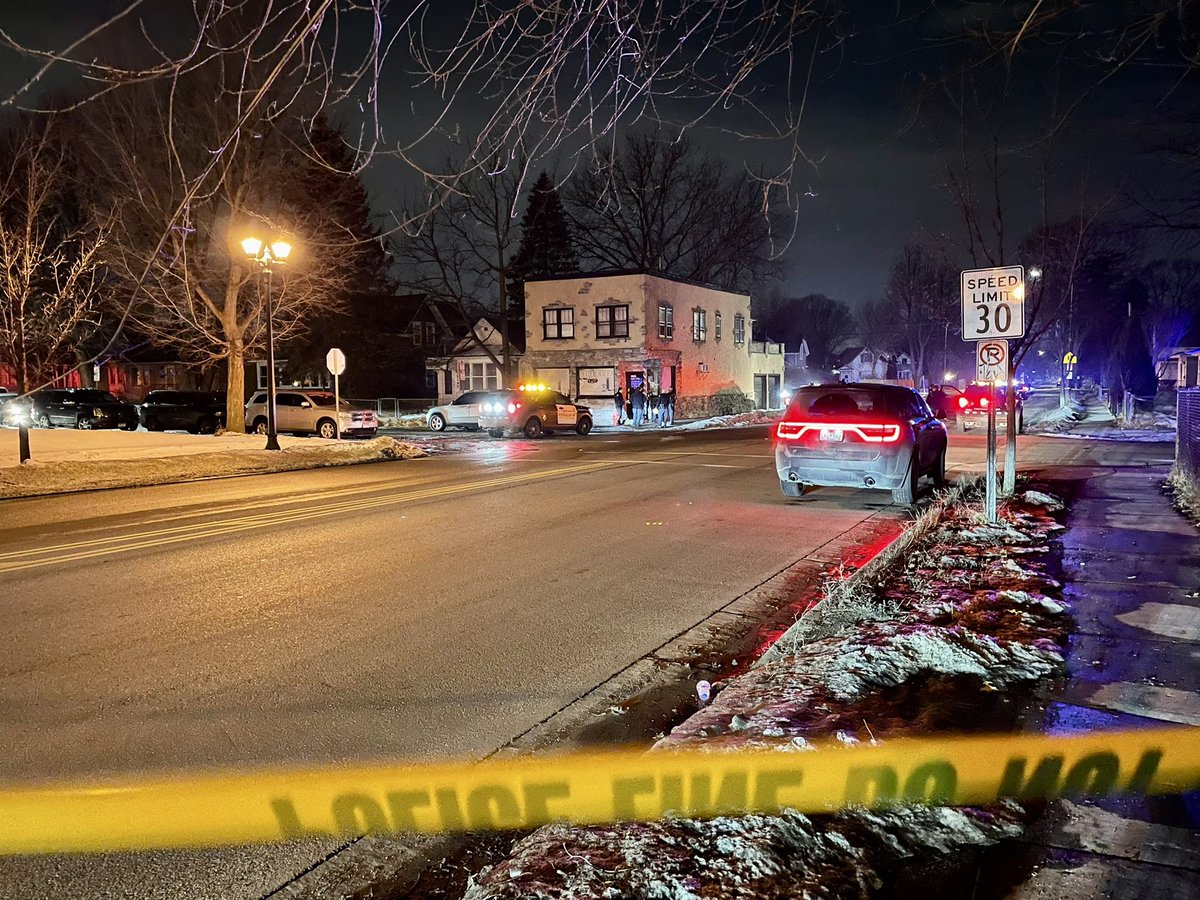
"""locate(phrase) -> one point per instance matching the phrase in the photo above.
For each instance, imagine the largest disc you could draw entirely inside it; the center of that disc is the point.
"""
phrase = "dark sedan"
(859, 435)
(82, 408)
(200, 412)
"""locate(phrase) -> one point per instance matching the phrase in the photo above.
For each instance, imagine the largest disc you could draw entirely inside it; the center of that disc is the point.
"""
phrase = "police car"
(532, 410)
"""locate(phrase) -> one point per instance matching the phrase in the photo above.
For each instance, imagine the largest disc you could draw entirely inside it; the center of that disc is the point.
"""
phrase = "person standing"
(638, 399)
(618, 407)
(668, 401)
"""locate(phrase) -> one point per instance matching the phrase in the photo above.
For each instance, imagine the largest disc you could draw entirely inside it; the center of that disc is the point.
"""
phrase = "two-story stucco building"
(588, 335)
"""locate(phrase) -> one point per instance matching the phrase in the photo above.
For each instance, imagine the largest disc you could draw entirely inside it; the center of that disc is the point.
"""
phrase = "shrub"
(731, 401)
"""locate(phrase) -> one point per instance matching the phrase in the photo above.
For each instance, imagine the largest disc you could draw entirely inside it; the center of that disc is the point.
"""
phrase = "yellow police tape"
(598, 787)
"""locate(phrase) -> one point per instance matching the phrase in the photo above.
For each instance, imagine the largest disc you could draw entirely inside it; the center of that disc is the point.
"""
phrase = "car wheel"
(327, 429)
(495, 432)
(939, 469)
(906, 493)
(792, 488)
(207, 425)
(152, 424)
(83, 423)
(437, 422)
(533, 428)
(41, 420)
(259, 426)
(583, 426)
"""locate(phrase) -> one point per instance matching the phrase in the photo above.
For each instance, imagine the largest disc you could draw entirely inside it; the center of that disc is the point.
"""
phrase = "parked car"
(532, 411)
(310, 411)
(943, 400)
(973, 408)
(77, 408)
(463, 412)
(859, 435)
(200, 412)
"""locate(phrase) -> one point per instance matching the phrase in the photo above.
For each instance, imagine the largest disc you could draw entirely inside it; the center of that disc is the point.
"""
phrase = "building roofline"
(612, 273)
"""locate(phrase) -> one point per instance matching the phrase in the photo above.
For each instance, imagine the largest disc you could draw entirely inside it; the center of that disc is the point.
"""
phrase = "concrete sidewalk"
(1132, 571)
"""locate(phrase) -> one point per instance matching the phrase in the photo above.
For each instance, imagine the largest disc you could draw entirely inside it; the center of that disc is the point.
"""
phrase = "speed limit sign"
(993, 303)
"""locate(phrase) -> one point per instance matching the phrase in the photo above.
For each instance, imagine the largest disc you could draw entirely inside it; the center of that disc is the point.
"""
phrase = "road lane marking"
(20, 560)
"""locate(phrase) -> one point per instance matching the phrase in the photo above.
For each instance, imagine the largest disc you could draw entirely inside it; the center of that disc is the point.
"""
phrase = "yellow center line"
(21, 560)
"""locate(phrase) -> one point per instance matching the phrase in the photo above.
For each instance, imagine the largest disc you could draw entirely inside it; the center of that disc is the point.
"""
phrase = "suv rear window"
(838, 401)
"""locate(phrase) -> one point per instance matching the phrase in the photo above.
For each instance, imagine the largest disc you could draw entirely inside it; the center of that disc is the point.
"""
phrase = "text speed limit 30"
(993, 303)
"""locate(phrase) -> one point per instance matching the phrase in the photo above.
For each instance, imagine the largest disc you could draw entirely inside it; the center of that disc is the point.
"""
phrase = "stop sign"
(335, 361)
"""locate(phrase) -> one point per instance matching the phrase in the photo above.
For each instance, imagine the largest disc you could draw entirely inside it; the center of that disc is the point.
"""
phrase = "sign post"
(993, 310)
(335, 362)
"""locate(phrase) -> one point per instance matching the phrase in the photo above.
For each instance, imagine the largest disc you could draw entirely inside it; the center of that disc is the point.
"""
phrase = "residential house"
(386, 338)
(1179, 368)
(866, 364)
(473, 364)
(589, 334)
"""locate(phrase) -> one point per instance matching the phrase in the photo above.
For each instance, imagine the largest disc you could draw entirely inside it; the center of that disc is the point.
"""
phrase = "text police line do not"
(591, 788)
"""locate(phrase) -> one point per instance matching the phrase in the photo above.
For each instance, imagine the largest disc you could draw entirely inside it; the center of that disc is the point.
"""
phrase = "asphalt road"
(420, 608)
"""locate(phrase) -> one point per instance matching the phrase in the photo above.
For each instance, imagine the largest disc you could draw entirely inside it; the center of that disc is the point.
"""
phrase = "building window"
(482, 377)
(699, 325)
(558, 322)
(666, 321)
(612, 321)
(449, 382)
(424, 333)
(739, 329)
(718, 324)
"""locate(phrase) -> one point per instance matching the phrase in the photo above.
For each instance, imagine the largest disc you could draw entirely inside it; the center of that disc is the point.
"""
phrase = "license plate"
(831, 434)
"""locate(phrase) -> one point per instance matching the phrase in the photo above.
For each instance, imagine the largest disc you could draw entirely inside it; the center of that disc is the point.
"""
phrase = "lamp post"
(268, 256)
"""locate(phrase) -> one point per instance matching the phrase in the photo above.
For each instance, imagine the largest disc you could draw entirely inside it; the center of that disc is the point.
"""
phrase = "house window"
(482, 376)
(666, 321)
(718, 324)
(424, 333)
(699, 325)
(260, 373)
(612, 321)
(739, 329)
(449, 382)
(558, 322)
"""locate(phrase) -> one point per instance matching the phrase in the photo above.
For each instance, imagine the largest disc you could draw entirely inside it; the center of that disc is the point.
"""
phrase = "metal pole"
(991, 455)
(272, 436)
(337, 409)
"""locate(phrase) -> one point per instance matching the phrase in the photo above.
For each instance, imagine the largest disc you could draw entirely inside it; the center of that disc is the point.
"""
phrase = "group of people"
(643, 407)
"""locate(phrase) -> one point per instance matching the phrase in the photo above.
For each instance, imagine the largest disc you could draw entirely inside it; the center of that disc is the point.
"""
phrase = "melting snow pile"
(92, 473)
(975, 624)
(738, 420)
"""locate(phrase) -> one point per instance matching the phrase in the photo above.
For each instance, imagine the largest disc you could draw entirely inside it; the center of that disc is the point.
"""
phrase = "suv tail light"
(867, 432)
(963, 402)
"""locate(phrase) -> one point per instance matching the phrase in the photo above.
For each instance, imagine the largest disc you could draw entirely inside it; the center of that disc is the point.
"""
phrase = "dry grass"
(850, 599)
(1185, 493)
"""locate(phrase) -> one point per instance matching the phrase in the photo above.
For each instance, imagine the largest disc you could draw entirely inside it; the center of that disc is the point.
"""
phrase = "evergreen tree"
(547, 246)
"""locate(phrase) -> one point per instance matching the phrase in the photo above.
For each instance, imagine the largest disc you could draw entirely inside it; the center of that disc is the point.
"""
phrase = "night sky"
(878, 176)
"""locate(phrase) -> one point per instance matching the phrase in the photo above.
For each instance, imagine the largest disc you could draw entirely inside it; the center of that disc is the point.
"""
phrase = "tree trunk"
(86, 372)
(235, 388)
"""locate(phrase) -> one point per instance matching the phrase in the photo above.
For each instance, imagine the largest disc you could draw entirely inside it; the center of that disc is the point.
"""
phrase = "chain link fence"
(1187, 446)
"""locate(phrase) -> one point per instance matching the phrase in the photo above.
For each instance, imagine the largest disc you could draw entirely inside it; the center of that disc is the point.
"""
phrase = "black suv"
(200, 412)
(82, 408)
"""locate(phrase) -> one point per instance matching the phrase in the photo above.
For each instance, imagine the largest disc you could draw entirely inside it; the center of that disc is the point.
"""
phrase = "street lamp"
(268, 256)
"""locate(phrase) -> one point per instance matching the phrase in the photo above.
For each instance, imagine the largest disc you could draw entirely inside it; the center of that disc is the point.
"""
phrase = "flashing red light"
(962, 402)
(983, 401)
(513, 407)
(870, 433)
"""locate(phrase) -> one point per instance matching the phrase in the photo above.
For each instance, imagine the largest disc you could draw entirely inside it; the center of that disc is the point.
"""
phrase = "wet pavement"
(1132, 571)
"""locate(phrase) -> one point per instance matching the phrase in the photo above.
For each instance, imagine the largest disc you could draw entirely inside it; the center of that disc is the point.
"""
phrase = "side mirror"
(304, 404)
